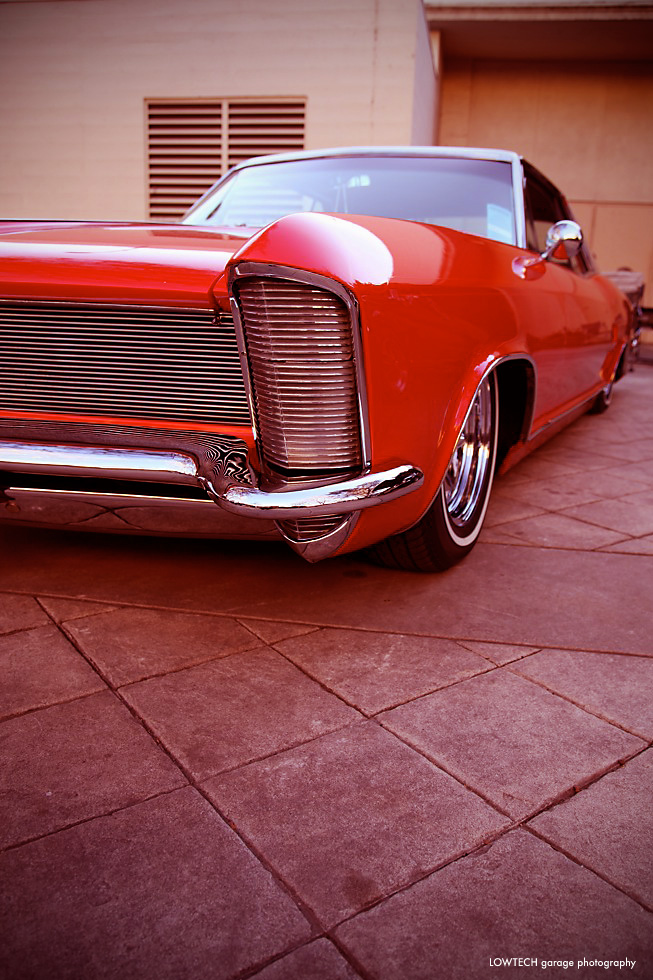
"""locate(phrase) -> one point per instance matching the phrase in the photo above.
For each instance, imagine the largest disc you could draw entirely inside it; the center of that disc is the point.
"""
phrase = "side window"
(544, 206)
(543, 209)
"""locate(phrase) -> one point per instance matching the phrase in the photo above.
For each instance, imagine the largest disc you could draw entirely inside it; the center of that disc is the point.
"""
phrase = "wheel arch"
(516, 381)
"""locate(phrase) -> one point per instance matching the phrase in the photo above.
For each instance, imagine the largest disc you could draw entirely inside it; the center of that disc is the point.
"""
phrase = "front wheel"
(451, 525)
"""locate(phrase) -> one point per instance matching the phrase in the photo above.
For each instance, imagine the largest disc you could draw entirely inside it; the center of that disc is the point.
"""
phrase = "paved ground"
(220, 762)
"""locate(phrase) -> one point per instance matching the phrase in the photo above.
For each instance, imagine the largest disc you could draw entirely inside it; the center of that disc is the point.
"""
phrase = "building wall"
(426, 85)
(586, 125)
(74, 77)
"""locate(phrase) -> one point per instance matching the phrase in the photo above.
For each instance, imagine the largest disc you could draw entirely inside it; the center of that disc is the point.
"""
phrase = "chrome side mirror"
(563, 241)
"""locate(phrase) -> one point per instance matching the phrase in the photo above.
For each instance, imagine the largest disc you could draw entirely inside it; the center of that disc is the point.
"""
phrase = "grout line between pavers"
(180, 668)
(541, 546)
(353, 961)
(483, 845)
(305, 909)
(253, 971)
(255, 760)
(443, 768)
(52, 704)
(26, 629)
(84, 820)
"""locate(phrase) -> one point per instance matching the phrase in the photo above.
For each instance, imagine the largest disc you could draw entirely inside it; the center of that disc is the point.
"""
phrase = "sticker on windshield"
(499, 224)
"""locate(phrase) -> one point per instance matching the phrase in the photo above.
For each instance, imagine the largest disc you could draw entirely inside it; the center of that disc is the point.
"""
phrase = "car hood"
(117, 262)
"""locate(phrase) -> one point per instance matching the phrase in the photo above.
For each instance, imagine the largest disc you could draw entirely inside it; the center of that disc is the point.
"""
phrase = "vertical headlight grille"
(300, 352)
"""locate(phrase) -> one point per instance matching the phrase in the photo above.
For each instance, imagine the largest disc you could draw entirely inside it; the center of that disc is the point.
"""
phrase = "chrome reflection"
(465, 477)
(339, 497)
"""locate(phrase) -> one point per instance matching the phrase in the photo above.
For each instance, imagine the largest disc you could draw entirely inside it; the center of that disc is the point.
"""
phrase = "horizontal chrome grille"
(301, 358)
(121, 361)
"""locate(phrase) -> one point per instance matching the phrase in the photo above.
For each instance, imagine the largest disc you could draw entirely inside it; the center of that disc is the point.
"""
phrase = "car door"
(585, 328)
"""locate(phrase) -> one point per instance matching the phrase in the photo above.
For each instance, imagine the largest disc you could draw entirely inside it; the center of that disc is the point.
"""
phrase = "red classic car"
(338, 347)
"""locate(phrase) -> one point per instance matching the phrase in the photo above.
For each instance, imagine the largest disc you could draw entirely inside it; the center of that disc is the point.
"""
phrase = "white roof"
(473, 153)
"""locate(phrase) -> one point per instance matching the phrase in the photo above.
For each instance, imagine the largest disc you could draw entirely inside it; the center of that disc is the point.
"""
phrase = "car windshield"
(473, 196)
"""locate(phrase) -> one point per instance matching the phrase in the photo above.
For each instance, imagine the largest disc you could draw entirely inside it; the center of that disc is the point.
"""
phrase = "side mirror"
(563, 241)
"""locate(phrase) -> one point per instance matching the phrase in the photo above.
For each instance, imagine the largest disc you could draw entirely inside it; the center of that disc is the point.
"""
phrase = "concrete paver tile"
(517, 898)
(330, 818)
(163, 889)
(511, 740)
(373, 671)
(65, 609)
(270, 631)
(320, 960)
(130, 644)
(231, 711)
(608, 827)
(39, 667)
(553, 531)
(617, 687)
(20, 612)
(74, 761)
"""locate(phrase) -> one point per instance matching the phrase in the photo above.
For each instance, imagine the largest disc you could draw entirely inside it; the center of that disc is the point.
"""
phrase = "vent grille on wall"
(193, 143)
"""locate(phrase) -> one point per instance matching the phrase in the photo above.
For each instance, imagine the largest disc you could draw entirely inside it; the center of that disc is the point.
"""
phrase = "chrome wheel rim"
(471, 461)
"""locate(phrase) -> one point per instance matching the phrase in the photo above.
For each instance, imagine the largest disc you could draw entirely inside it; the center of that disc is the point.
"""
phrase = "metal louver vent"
(301, 357)
(191, 144)
(184, 154)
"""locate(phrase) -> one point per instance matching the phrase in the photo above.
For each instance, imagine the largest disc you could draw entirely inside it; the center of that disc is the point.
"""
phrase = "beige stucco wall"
(74, 77)
(588, 126)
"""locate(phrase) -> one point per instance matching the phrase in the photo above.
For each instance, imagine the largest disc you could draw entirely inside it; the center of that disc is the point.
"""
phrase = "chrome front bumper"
(224, 481)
